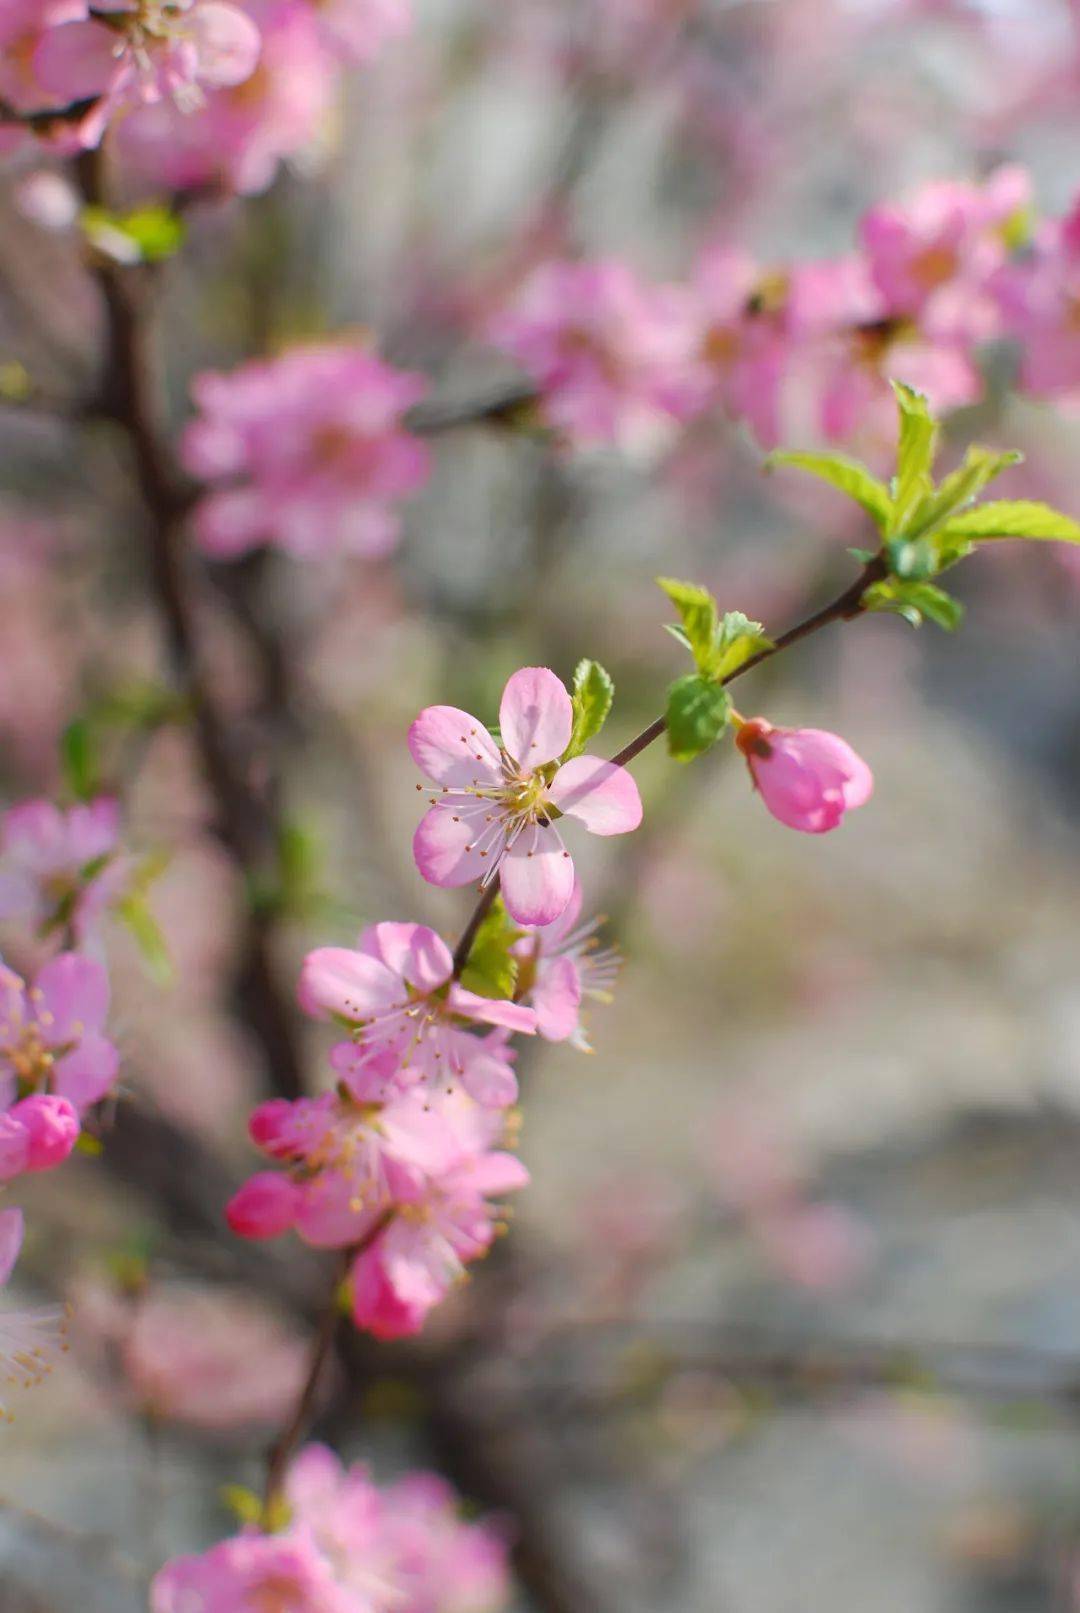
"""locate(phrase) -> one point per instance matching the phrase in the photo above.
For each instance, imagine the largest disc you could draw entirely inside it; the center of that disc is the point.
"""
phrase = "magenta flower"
(410, 1266)
(561, 964)
(53, 1047)
(499, 804)
(407, 1014)
(807, 778)
(129, 53)
(313, 446)
(60, 867)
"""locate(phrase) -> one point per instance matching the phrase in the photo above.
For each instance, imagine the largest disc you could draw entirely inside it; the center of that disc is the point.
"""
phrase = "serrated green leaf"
(738, 641)
(698, 711)
(593, 694)
(1012, 518)
(700, 618)
(914, 601)
(492, 969)
(78, 759)
(957, 489)
(847, 475)
(914, 455)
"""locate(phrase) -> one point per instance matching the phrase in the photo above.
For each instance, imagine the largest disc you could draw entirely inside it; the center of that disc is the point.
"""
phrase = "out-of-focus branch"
(128, 396)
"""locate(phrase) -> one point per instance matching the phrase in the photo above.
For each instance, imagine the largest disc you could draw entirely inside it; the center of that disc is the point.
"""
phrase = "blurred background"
(789, 1319)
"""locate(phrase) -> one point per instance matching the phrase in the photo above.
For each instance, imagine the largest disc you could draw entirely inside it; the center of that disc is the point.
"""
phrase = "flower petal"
(535, 716)
(71, 997)
(453, 748)
(11, 1237)
(491, 1010)
(445, 847)
(85, 1075)
(537, 876)
(556, 996)
(228, 43)
(352, 985)
(602, 796)
(411, 951)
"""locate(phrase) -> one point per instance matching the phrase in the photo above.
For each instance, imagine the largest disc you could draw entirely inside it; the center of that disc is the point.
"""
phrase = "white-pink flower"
(407, 1014)
(30, 1340)
(52, 1042)
(138, 52)
(61, 867)
(498, 805)
(561, 964)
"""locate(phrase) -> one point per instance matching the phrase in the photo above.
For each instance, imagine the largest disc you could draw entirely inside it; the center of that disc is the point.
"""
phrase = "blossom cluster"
(350, 1546)
(934, 280)
(202, 92)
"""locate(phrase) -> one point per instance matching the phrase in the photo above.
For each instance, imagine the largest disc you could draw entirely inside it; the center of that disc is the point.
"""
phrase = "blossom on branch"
(807, 778)
(498, 805)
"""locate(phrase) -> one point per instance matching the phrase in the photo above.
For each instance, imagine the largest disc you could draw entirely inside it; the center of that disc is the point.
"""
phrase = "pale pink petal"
(556, 996)
(74, 997)
(77, 60)
(453, 748)
(445, 848)
(11, 1237)
(550, 935)
(535, 716)
(86, 1074)
(228, 43)
(491, 1010)
(537, 876)
(231, 523)
(411, 951)
(489, 1080)
(491, 1174)
(335, 981)
(600, 795)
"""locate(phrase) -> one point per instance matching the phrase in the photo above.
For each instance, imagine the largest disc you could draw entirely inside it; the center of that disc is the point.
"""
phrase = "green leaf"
(78, 759)
(593, 694)
(738, 640)
(847, 476)
(134, 913)
(980, 467)
(914, 454)
(492, 969)
(1013, 518)
(697, 608)
(698, 710)
(914, 601)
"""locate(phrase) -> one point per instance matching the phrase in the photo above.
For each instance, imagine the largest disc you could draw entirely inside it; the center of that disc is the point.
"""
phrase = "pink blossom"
(252, 1573)
(397, 994)
(313, 448)
(808, 778)
(60, 868)
(128, 54)
(498, 804)
(242, 134)
(55, 1060)
(350, 1546)
(615, 359)
(1040, 300)
(412, 1263)
(559, 965)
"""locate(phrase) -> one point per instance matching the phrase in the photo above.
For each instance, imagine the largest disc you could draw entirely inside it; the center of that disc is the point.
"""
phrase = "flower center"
(30, 1061)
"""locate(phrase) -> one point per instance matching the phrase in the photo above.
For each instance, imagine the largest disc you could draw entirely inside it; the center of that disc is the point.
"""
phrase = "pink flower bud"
(808, 778)
(51, 1126)
(265, 1207)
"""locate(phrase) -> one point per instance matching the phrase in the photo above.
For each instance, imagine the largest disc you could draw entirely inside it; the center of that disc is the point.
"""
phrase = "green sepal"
(593, 693)
(698, 711)
(491, 969)
(79, 759)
